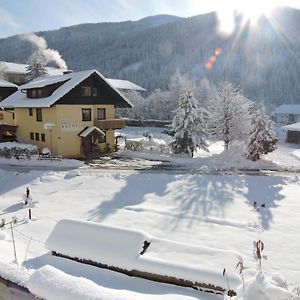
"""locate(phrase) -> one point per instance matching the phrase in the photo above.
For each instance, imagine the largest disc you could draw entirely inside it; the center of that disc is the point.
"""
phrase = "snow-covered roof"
(14, 68)
(43, 81)
(287, 109)
(294, 127)
(89, 130)
(71, 80)
(4, 83)
(124, 85)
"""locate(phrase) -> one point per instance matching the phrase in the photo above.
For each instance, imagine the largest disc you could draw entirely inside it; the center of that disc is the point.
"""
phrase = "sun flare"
(249, 11)
(253, 12)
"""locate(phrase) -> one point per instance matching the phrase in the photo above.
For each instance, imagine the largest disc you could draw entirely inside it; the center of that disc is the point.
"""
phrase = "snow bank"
(52, 284)
(121, 248)
(72, 174)
(260, 287)
(35, 162)
(10, 145)
(14, 274)
(99, 243)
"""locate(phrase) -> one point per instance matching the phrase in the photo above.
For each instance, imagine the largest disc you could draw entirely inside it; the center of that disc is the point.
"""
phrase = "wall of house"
(7, 117)
(27, 124)
(287, 118)
(67, 120)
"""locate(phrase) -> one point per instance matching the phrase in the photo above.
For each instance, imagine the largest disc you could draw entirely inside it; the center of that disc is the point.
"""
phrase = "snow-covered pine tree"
(189, 126)
(262, 138)
(226, 114)
(36, 66)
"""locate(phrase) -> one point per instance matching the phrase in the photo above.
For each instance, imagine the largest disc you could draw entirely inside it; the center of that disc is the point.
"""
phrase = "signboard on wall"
(66, 126)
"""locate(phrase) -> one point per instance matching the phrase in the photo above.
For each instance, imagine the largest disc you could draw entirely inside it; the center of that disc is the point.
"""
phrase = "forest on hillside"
(263, 61)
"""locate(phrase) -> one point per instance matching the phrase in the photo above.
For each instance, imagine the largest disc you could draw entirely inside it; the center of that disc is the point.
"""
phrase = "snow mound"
(261, 287)
(125, 249)
(52, 284)
(11, 145)
(72, 174)
(14, 274)
(99, 243)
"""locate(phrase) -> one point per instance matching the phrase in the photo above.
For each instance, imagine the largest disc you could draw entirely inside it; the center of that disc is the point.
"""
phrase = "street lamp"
(49, 126)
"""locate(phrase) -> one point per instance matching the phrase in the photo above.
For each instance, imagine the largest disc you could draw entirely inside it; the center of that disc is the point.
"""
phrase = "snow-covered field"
(203, 208)
(211, 211)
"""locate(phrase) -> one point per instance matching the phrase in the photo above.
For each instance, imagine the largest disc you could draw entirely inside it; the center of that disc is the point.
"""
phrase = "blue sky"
(19, 16)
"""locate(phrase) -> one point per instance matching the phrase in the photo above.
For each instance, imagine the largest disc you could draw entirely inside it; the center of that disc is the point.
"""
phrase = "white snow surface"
(124, 84)
(90, 129)
(53, 284)
(294, 127)
(10, 145)
(14, 274)
(261, 287)
(38, 162)
(4, 83)
(99, 243)
(208, 211)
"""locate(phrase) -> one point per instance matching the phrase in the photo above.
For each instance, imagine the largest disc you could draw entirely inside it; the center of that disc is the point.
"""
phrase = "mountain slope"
(264, 62)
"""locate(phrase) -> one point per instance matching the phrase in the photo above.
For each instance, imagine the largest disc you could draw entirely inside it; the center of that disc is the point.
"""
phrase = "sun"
(250, 11)
(253, 11)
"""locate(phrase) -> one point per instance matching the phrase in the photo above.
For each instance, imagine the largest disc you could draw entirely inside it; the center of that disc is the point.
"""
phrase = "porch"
(90, 137)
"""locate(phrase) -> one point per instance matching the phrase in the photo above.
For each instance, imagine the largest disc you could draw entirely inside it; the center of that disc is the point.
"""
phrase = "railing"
(110, 124)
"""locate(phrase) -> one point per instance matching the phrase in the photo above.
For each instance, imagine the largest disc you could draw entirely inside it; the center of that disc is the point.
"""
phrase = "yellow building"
(73, 115)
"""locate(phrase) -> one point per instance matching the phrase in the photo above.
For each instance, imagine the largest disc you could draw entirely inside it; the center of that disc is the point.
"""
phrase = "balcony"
(110, 124)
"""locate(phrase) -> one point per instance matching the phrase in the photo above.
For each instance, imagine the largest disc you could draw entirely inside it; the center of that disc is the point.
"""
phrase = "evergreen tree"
(189, 126)
(36, 66)
(226, 114)
(262, 138)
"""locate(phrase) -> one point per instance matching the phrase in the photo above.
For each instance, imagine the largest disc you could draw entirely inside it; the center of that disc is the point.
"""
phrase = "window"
(43, 138)
(102, 139)
(38, 93)
(30, 112)
(1, 116)
(86, 114)
(39, 115)
(37, 136)
(32, 136)
(86, 91)
(94, 92)
(101, 114)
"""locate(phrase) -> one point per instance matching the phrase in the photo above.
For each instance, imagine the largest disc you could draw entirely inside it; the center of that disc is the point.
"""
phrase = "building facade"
(72, 115)
(286, 114)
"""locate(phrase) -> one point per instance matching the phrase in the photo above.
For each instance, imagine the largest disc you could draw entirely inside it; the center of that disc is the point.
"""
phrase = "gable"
(105, 94)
